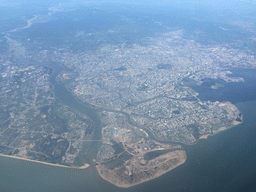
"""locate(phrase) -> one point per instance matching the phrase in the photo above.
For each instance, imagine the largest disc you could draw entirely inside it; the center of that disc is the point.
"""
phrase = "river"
(224, 162)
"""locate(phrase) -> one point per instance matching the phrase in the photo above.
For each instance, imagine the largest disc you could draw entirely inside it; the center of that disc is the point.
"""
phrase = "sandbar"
(204, 136)
(51, 164)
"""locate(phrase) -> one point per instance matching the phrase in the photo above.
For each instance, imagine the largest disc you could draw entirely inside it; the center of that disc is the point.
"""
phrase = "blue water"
(224, 162)
(233, 92)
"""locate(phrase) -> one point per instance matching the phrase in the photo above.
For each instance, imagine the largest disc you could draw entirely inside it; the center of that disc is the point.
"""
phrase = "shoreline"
(204, 136)
(86, 165)
(159, 170)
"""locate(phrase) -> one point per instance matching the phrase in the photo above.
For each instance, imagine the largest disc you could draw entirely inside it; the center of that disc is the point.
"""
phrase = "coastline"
(51, 164)
(119, 179)
(204, 136)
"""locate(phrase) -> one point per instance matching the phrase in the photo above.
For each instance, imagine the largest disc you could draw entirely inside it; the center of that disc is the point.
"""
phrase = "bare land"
(141, 170)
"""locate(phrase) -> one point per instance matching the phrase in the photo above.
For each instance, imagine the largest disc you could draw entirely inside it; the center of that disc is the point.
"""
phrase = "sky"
(213, 4)
(159, 2)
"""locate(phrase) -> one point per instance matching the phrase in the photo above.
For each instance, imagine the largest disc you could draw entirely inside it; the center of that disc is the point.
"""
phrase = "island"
(143, 95)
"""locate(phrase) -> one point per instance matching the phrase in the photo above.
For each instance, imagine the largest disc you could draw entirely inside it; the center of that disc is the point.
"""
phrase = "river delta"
(128, 110)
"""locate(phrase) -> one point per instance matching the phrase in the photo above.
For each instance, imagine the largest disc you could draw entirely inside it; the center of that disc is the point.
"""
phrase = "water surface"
(224, 162)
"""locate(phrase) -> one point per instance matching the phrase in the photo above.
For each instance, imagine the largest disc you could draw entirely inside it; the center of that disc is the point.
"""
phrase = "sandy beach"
(204, 136)
(51, 164)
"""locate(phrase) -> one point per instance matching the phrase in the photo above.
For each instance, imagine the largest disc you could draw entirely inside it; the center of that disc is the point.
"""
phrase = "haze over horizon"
(127, 95)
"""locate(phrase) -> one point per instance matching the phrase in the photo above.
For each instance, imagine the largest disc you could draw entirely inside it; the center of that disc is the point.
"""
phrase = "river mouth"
(213, 154)
(228, 157)
(67, 98)
(64, 96)
(201, 156)
(229, 92)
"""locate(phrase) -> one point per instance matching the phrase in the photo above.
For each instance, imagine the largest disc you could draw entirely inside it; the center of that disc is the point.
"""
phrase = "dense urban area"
(143, 94)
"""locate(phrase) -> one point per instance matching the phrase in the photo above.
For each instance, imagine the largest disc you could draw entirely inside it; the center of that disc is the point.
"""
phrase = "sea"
(223, 162)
